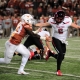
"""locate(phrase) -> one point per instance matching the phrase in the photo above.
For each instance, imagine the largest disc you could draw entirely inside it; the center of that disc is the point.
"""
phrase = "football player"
(60, 24)
(13, 44)
(40, 47)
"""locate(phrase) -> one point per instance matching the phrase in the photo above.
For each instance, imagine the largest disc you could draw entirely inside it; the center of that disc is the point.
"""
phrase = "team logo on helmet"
(27, 18)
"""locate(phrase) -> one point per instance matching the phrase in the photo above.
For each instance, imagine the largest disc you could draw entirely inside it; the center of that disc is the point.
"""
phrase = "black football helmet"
(59, 16)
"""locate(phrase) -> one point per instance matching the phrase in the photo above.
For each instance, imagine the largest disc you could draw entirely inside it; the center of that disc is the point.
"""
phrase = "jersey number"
(60, 31)
(18, 29)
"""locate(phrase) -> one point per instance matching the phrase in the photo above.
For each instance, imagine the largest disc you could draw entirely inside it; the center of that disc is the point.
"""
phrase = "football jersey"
(43, 33)
(60, 30)
(19, 33)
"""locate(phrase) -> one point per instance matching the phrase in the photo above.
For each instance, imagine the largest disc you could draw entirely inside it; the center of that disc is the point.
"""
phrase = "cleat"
(22, 72)
(48, 55)
(31, 55)
(59, 73)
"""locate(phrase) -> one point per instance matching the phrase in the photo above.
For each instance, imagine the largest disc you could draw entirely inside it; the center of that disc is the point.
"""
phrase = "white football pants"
(9, 51)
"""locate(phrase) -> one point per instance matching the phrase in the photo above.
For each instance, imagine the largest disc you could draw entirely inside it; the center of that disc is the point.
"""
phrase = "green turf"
(44, 70)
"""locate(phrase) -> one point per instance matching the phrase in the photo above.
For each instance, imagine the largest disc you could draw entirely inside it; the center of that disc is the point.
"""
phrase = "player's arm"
(42, 24)
(37, 31)
(28, 27)
(46, 38)
(74, 25)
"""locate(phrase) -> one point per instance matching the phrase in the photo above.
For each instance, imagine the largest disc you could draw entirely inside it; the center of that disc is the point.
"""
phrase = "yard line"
(40, 62)
(69, 75)
(73, 48)
(72, 57)
(13, 63)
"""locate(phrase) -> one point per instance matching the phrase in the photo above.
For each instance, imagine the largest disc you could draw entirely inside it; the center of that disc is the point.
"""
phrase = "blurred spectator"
(11, 2)
(1, 27)
(68, 3)
(45, 9)
(54, 10)
(49, 10)
(30, 9)
(10, 10)
(78, 23)
(35, 5)
(60, 2)
(15, 3)
(78, 10)
(22, 6)
(26, 7)
(39, 10)
(60, 7)
(56, 3)
(51, 3)
(38, 2)
(69, 12)
(15, 21)
(7, 23)
(3, 4)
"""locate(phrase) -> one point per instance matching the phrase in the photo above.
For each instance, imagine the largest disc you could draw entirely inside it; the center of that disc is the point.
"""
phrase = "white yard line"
(73, 48)
(72, 57)
(13, 63)
(69, 75)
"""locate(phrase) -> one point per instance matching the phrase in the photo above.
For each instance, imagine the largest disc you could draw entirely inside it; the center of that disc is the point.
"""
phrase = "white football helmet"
(27, 18)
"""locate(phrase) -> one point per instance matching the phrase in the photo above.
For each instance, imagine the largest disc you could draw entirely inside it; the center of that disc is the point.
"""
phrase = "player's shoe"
(31, 55)
(48, 55)
(59, 73)
(22, 72)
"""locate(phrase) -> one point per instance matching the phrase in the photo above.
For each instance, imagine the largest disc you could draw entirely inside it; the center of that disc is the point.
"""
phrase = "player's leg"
(25, 55)
(39, 45)
(64, 50)
(58, 47)
(34, 41)
(8, 54)
(28, 42)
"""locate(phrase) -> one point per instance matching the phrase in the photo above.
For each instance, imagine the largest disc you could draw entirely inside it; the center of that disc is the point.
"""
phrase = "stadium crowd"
(11, 10)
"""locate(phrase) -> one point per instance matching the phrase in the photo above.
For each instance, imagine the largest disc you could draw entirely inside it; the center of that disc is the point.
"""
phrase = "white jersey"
(60, 31)
(43, 33)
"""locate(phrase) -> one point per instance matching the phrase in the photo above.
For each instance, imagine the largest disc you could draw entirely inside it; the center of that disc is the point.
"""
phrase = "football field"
(41, 69)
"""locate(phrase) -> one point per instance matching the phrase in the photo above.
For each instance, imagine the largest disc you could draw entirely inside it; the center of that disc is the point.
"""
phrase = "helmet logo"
(28, 16)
